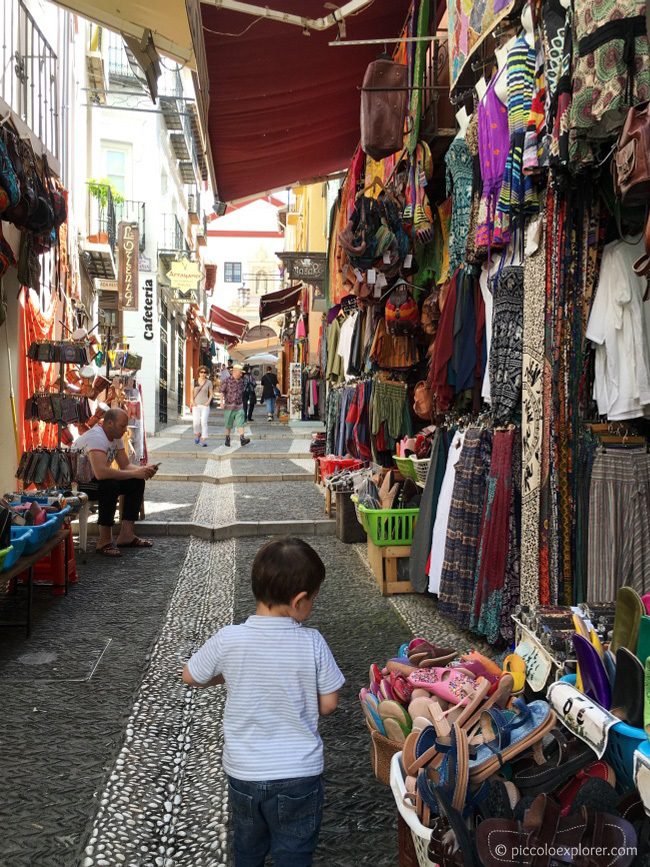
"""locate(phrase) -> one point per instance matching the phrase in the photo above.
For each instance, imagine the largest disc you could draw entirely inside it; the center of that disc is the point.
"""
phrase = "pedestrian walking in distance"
(232, 389)
(200, 406)
(280, 677)
(250, 398)
(270, 391)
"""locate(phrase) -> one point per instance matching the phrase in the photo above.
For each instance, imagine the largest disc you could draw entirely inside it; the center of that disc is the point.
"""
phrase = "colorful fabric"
(493, 143)
(612, 71)
(459, 169)
(469, 24)
(518, 197)
(492, 557)
(463, 529)
(233, 392)
(506, 349)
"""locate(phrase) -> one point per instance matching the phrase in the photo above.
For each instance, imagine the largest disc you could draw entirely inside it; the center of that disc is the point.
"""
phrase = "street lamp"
(243, 296)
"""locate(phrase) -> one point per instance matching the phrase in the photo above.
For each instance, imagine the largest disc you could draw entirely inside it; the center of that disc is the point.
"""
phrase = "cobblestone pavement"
(106, 758)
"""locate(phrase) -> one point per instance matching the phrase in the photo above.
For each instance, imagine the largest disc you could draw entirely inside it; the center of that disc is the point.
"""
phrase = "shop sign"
(145, 263)
(128, 235)
(105, 285)
(182, 299)
(305, 267)
(184, 275)
(148, 309)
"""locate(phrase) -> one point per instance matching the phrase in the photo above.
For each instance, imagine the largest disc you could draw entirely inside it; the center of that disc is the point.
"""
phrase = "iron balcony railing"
(102, 220)
(118, 62)
(130, 211)
(172, 238)
(29, 74)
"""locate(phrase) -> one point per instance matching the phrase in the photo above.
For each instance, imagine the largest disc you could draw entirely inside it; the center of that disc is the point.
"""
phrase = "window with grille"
(232, 272)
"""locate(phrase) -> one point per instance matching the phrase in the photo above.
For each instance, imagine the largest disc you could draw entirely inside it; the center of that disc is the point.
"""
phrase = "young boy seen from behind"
(280, 677)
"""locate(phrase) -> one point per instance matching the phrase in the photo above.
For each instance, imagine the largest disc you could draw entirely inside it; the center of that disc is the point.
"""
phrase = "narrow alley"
(118, 762)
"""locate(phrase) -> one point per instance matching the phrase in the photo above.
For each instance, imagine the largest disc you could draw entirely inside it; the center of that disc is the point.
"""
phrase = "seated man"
(103, 445)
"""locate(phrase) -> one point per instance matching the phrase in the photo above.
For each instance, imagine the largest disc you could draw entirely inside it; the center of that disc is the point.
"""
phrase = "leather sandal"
(550, 767)
(586, 838)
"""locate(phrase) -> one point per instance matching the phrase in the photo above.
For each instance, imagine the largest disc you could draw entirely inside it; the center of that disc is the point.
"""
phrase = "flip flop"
(452, 686)
(592, 669)
(392, 709)
(488, 664)
(629, 610)
(516, 666)
(646, 711)
(598, 770)
(110, 550)
(137, 542)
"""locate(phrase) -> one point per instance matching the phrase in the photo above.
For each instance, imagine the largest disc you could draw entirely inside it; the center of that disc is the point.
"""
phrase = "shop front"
(486, 352)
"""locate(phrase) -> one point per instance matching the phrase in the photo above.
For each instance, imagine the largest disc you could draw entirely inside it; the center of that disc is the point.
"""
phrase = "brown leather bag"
(383, 110)
(423, 401)
(631, 163)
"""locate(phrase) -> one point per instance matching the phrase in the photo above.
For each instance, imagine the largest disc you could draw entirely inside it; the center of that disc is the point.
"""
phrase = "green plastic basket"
(406, 467)
(388, 526)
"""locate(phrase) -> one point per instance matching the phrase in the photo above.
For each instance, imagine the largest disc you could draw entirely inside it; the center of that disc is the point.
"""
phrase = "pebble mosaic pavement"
(124, 768)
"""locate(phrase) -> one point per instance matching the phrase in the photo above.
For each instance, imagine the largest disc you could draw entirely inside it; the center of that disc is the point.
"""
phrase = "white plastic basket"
(420, 834)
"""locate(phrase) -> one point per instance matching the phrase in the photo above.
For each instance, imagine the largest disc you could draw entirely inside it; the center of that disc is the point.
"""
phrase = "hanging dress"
(518, 197)
(493, 142)
(439, 536)
(458, 161)
(507, 347)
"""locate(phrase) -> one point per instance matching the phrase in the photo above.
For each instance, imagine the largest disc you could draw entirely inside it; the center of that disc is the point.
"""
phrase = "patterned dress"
(506, 349)
(459, 162)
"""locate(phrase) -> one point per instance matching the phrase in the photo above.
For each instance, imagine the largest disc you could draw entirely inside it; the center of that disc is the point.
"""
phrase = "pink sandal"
(455, 687)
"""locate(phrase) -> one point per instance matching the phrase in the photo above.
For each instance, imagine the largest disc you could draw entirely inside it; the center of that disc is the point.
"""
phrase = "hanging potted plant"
(99, 190)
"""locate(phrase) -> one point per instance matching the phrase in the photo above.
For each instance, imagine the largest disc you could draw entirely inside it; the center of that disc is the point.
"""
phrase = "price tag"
(538, 664)
(586, 719)
(371, 277)
(386, 258)
(358, 275)
(408, 261)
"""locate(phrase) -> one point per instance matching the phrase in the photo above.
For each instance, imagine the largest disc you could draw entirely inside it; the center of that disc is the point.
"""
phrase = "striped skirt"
(619, 524)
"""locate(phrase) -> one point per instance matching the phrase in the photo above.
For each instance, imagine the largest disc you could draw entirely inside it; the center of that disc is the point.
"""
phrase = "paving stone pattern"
(61, 731)
(106, 758)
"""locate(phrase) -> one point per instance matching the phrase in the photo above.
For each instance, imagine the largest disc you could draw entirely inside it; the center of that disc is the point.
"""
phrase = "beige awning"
(168, 21)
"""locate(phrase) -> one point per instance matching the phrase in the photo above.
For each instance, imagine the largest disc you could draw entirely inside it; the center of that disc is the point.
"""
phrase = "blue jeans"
(280, 817)
(270, 405)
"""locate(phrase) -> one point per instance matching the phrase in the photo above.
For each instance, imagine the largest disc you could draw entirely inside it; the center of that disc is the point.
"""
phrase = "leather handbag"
(384, 99)
(423, 400)
(631, 163)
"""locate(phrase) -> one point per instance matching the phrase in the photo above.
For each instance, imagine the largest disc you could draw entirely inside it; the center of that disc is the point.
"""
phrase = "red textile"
(35, 375)
(284, 107)
(443, 350)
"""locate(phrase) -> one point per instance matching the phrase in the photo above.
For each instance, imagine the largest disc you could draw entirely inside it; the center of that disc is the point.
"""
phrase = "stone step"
(231, 455)
(236, 530)
(231, 480)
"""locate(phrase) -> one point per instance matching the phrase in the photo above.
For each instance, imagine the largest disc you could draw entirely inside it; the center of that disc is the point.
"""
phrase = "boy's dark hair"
(284, 568)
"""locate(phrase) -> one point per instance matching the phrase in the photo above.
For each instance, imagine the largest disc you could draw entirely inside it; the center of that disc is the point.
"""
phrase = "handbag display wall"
(64, 351)
(48, 468)
(57, 408)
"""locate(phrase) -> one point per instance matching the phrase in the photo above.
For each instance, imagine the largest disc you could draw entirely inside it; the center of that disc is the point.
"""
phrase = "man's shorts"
(234, 418)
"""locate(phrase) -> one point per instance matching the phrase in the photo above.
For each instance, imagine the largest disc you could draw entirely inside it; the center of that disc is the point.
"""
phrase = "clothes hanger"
(376, 182)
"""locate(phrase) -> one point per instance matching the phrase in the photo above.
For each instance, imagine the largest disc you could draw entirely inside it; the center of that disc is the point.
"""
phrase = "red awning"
(284, 107)
(228, 323)
(274, 303)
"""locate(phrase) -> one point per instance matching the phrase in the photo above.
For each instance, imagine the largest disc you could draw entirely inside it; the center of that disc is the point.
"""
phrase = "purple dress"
(493, 148)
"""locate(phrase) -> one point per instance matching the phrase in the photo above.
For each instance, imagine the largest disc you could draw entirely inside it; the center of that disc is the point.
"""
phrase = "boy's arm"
(327, 704)
(189, 680)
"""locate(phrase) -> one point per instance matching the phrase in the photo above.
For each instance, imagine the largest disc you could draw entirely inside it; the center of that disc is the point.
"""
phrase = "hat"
(237, 367)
